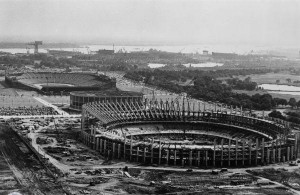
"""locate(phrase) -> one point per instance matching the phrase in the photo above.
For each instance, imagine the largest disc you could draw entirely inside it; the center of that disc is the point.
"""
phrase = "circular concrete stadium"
(182, 134)
(57, 83)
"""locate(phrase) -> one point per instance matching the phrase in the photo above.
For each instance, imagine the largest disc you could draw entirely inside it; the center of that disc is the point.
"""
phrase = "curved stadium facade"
(182, 134)
(56, 83)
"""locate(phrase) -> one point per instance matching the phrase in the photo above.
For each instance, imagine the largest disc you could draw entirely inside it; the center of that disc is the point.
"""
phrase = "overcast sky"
(269, 22)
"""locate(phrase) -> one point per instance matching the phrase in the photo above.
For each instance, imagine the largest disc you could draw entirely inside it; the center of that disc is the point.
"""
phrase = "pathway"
(61, 112)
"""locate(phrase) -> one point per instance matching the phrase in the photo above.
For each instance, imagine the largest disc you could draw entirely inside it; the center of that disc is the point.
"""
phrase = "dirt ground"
(29, 176)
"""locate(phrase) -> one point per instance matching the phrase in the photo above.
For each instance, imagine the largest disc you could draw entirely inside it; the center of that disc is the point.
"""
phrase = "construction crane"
(36, 46)
(88, 50)
(181, 50)
(27, 50)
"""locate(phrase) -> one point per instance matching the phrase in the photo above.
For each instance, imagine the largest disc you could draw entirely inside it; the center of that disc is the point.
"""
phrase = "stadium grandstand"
(181, 134)
(57, 83)
(78, 98)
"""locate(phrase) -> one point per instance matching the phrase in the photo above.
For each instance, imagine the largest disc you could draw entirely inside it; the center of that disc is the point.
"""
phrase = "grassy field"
(273, 94)
(270, 78)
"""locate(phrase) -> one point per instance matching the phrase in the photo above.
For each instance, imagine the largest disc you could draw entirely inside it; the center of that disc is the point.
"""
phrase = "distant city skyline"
(136, 22)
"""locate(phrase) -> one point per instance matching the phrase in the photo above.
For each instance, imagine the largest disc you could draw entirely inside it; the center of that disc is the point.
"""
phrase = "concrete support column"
(113, 150)
(97, 143)
(279, 155)
(152, 142)
(256, 152)
(175, 156)
(276, 152)
(167, 156)
(243, 153)
(297, 150)
(292, 152)
(250, 152)
(214, 153)
(144, 160)
(181, 157)
(274, 155)
(268, 156)
(94, 142)
(131, 139)
(91, 141)
(288, 154)
(159, 153)
(104, 147)
(137, 154)
(263, 150)
(119, 151)
(191, 158)
(124, 152)
(101, 145)
(236, 151)
(87, 139)
(198, 161)
(206, 156)
(108, 153)
(229, 152)
(222, 151)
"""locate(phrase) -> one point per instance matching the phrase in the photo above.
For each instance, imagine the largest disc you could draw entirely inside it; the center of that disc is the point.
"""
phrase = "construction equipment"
(88, 50)
(36, 46)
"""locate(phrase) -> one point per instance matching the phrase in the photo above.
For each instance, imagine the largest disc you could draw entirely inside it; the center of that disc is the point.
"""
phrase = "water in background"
(281, 89)
(275, 87)
(239, 49)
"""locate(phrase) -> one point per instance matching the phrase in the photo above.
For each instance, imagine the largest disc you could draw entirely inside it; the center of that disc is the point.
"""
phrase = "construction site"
(142, 144)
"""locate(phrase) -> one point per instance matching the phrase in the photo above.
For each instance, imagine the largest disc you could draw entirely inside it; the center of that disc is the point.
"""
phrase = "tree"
(298, 104)
(277, 81)
(292, 102)
(276, 114)
(288, 80)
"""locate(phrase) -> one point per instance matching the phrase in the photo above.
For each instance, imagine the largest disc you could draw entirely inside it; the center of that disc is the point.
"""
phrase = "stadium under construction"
(184, 134)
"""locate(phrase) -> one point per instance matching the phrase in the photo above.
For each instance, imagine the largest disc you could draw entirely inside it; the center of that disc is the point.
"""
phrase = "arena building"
(57, 83)
(184, 134)
(78, 98)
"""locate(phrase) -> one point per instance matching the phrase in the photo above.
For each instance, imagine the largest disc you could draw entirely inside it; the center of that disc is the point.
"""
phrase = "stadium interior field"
(41, 85)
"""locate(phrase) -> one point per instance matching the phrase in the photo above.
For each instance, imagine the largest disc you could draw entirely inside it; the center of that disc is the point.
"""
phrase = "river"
(193, 48)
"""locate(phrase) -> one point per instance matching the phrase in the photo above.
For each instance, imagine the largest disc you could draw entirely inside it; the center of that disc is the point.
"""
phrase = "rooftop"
(106, 93)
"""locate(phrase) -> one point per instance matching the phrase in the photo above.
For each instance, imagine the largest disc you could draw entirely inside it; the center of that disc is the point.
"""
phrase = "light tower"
(36, 46)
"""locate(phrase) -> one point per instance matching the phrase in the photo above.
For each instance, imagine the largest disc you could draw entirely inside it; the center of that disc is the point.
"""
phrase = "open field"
(274, 95)
(57, 99)
(270, 78)
(19, 101)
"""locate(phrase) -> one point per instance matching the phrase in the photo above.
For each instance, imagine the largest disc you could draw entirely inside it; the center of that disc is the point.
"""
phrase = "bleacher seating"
(74, 79)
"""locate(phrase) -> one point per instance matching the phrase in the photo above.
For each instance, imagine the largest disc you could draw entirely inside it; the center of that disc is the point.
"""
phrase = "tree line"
(207, 87)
